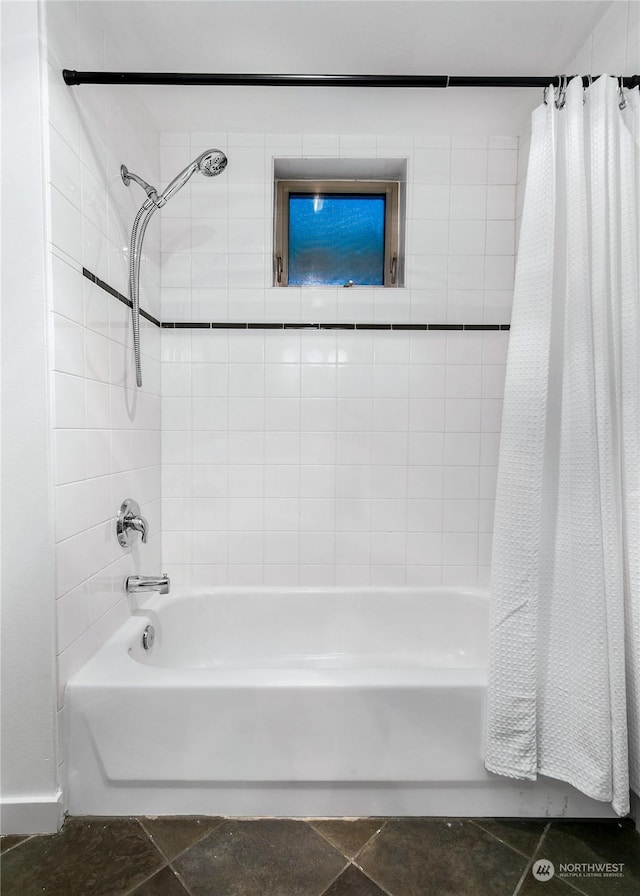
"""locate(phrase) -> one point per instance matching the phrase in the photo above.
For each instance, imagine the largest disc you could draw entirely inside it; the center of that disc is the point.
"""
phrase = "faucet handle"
(129, 522)
(140, 524)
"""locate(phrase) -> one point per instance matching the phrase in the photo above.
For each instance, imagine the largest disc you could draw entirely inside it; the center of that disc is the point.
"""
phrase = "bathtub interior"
(317, 628)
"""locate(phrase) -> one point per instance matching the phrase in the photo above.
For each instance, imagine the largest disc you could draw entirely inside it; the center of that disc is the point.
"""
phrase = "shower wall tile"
(287, 458)
(329, 457)
(460, 202)
(106, 437)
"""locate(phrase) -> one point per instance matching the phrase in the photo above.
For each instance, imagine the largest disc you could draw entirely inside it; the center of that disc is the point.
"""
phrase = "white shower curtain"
(564, 671)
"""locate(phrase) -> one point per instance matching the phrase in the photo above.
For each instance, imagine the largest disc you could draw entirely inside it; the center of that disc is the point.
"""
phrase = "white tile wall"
(216, 235)
(333, 457)
(106, 437)
(329, 457)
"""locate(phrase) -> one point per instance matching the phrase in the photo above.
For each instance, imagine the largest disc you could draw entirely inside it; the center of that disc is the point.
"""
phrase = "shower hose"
(135, 250)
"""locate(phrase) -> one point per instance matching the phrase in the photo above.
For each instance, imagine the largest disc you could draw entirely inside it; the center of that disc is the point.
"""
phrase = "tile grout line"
(151, 840)
(331, 843)
(504, 842)
(182, 852)
(16, 845)
(372, 837)
(338, 875)
(146, 880)
(168, 862)
(364, 845)
(351, 861)
(373, 880)
(179, 877)
(133, 890)
(569, 883)
(530, 861)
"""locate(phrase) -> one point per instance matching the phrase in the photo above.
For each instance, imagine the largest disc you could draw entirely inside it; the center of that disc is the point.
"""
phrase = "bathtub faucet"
(129, 522)
(134, 584)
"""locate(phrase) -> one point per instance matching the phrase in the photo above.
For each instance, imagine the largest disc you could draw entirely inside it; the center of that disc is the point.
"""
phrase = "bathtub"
(296, 702)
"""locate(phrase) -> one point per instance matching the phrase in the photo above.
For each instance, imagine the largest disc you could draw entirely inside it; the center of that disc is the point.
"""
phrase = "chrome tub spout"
(135, 584)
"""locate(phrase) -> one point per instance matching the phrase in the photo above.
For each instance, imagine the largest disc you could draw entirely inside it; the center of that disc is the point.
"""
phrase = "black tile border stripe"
(118, 295)
(293, 325)
(149, 317)
(305, 325)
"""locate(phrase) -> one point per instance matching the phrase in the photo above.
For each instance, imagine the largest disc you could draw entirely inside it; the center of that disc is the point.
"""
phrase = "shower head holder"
(128, 176)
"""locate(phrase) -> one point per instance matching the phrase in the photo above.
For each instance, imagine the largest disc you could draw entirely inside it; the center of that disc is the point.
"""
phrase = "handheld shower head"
(210, 163)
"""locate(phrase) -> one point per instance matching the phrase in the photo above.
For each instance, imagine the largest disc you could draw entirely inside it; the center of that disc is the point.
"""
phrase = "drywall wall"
(30, 800)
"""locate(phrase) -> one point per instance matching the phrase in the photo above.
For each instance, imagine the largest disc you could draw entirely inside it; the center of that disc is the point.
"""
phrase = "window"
(336, 233)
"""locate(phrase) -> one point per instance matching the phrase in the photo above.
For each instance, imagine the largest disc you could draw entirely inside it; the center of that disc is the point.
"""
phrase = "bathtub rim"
(114, 665)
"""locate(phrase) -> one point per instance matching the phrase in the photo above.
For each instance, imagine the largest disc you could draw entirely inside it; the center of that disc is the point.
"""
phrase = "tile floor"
(283, 857)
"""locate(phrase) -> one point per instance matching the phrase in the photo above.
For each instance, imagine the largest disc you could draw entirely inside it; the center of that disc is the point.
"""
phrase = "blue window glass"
(336, 238)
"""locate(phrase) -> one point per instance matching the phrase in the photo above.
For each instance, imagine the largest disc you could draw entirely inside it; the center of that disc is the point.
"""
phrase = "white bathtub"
(296, 702)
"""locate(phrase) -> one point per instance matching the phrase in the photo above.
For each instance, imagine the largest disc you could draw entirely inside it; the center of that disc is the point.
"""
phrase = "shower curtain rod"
(72, 77)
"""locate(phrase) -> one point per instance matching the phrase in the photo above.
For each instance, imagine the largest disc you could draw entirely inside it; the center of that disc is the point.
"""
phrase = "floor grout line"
(569, 883)
(339, 874)
(182, 851)
(350, 861)
(180, 879)
(372, 879)
(372, 837)
(530, 861)
(152, 841)
(504, 842)
(155, 871)
(310, 821)
(141, 883)
(168, 863)
(26, 840)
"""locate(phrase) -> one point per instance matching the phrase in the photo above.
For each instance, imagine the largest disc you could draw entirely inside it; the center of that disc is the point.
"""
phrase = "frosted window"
(336, 239)
(336, 233)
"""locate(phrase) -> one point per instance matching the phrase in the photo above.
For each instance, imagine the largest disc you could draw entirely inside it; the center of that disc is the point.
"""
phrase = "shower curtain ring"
(562, 90)
(623, 99)
(584, 89)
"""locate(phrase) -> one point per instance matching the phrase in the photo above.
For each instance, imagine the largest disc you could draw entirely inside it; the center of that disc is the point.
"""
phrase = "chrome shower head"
(212, 162)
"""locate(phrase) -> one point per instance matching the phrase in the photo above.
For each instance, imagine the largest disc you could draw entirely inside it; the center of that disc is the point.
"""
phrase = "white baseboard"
(35, 814)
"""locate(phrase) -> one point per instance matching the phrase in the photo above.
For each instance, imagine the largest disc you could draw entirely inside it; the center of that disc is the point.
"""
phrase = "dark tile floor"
(283, 857)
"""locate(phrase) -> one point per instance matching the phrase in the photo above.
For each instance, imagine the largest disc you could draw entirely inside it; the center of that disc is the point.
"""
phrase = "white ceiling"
(457, 37)
(472, 37)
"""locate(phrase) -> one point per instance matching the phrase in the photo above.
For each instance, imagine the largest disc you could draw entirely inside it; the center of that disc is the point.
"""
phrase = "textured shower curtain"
(564, 671)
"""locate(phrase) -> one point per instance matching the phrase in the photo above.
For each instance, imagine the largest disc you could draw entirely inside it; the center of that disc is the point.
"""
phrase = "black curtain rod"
(190, 78)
